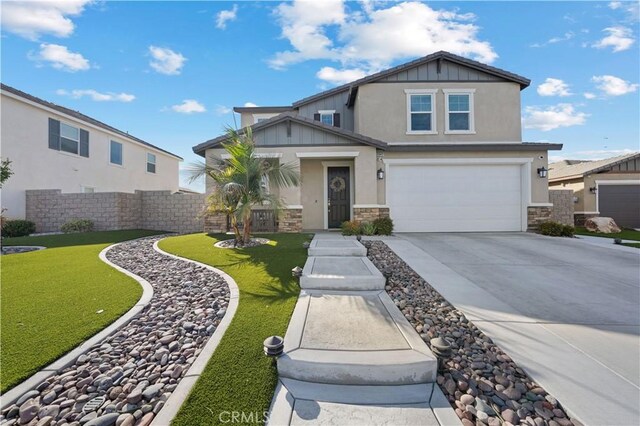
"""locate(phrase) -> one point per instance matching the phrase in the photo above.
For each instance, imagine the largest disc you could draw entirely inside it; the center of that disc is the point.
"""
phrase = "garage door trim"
(612, 182)
(525, 180)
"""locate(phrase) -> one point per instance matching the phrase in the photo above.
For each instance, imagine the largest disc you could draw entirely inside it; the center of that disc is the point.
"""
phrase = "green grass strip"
(49, 298)
(626, 234)
(239, 378)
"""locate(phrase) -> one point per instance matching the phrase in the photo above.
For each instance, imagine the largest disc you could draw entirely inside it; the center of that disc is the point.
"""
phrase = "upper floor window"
(326, 117)
(151, 163)
(68, 138)
(421, 111)
(115, 153)
(459, 110)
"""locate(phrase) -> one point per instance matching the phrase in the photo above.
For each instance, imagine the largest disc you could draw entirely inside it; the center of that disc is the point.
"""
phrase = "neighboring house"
(53, 147)
(608, 188)
(435, 143)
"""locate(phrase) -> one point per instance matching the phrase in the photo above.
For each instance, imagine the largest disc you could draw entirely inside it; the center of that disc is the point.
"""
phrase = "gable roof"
(79, 116)
(562, 170)
(294, 118)
(509, 76)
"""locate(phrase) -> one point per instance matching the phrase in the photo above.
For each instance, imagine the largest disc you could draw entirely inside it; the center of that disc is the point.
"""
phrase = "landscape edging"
(182, 391)
(64, 361)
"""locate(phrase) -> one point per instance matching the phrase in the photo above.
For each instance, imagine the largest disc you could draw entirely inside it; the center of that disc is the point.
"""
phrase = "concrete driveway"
(565, 310)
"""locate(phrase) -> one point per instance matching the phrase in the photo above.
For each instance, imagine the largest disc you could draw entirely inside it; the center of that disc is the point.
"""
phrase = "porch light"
(380, 174)
(542, 172)
(593, 189)
(441, 349)
(273, 346)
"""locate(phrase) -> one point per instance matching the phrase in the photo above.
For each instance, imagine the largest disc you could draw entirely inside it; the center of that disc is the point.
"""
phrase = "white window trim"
(155, 163)
(432, 93)
(327, 112)
(122, 153)
(472, 125)
(76, 154)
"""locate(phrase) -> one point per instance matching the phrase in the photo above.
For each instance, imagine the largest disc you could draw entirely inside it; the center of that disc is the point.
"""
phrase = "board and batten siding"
(300, 135)
(449, 71)
(337, 102)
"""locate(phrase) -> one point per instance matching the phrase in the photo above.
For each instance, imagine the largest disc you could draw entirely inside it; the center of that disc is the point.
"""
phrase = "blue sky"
(170, 72)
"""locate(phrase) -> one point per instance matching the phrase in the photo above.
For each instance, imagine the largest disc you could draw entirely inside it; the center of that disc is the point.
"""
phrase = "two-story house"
(53, 147)
(435, 143)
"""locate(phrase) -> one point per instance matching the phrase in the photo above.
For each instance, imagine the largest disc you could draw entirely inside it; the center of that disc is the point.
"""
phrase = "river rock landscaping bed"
(482, 383)
(253, 242)
(19, 249)
(126, 379)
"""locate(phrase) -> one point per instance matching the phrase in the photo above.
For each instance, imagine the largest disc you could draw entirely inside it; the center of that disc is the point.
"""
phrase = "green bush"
(351, 227)
(384, 226)
(555, 229)
(77, 225)
(18, 228)
(368, 228)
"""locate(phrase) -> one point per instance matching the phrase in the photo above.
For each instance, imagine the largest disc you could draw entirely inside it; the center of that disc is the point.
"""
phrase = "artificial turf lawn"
(626, 234)
(636, 245)
(50, 298)
(239, 378)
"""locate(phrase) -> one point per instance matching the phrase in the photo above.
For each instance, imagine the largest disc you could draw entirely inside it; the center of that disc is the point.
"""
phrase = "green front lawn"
(626, 234)
(239, 378)
(636, 245)
(50, 298)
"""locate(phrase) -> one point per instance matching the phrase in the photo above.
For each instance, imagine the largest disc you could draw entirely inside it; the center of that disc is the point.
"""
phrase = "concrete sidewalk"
(565, 311)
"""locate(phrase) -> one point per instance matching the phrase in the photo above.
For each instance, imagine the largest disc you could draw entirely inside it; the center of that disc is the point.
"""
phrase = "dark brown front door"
(339, 199)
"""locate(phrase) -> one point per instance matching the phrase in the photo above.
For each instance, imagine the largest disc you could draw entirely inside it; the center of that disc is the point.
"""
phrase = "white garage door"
(455, 198)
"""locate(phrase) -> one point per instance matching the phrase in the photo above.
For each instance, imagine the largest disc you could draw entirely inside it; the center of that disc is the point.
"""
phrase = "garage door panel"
(455, 198)
(621, 202)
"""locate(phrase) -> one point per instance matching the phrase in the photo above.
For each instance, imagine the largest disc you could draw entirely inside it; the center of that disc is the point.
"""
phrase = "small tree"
(5, 171)
(239, 181)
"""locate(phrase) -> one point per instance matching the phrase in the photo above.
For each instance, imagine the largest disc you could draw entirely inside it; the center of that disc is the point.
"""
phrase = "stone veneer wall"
(369, 214)
(290, 220)
(537, 215)
(562, 210)
(158, 210)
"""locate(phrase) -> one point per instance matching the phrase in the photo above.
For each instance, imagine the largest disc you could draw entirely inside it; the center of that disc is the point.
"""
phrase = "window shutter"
(54, 134)
(336, 119)
(316, 116)
(84, 143)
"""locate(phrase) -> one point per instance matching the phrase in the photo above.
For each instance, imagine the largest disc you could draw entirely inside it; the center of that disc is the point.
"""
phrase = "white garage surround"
(458, 194)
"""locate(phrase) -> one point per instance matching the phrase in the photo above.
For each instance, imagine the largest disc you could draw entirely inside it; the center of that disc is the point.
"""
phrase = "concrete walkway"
(350, 355)
(566, 311)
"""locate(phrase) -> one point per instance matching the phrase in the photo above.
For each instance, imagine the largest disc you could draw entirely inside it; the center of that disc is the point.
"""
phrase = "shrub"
(351, 227)
(18, 228)
(384, 226)
(77, 225)
(555, 229)
(368, 228)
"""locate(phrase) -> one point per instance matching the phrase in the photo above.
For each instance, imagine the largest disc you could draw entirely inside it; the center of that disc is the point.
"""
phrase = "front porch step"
(341, 273)
(302, 403)
(353, 338)
(336, 247)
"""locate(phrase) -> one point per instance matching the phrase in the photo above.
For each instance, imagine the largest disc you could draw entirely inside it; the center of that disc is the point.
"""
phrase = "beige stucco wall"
(248, 119)
(539, 186)
(25, 141)
(381, 112)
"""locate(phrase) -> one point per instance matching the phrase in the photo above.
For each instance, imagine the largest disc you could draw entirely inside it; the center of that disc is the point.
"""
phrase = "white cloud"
(553, 40)
(59, 57)
(630, 8)
(166, 61)
(31, 19)
(222, 110)
(553, 117)
(343, 76)
(189, 106)
(613, 86)
(375, 39)
(250, 105)
(619, 38)
(225, 16)
(589, 95)
(97, 96)
(554, 87)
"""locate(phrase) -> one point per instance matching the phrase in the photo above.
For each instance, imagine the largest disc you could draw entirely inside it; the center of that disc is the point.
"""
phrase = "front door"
(339, 200)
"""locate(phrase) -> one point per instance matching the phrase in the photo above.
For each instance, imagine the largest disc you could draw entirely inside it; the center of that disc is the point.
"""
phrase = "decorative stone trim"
(536, 216)
(290, 220)
(562, 210)
(369, 214)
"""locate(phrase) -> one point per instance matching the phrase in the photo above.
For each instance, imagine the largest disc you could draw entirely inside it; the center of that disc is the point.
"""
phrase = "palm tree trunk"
(247, 227)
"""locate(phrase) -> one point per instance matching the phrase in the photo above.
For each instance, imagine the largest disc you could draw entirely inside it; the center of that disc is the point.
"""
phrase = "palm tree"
(240, 181)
